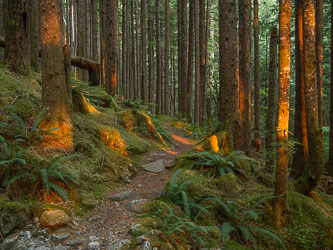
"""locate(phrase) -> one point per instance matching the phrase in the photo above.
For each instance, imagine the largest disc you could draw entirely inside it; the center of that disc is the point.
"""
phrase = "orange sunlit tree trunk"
(54, 91)
(280, 204)
(301, 153)
(315, 164)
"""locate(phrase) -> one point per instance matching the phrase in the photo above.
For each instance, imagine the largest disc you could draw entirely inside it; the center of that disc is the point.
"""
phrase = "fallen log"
(93, 67)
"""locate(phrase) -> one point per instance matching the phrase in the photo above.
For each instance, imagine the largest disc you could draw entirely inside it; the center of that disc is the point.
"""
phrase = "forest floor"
(110, 220)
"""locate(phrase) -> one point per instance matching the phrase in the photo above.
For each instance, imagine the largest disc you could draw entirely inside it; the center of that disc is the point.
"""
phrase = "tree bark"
(54, 90)
(245, 71)
(280, 204)
(158, 60)
(228, 108)
(330, 161)
(17, 33)
(103, 32)
(197, 64)
(190, 62)
(94, 46)
(256, 73)
(319, 56)
(301, 151)
(183, 60)
(81, 34)
(166, 58)
(144, 88)
(34, 34)
(135, 89)
(150, 58)
(123, 46)
(315, 164)
(112, 46)
(271, 111)
(202, 41)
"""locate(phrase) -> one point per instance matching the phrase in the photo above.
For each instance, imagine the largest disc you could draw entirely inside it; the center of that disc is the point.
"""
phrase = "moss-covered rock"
(233, 245)
(228, 184)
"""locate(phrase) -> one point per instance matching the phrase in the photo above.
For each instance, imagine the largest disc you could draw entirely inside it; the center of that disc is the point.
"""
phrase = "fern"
(269, 233)
(62, 192)
(226, 229)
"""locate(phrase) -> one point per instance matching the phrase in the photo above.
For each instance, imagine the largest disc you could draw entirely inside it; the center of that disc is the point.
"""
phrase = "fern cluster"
(176, 228)
(219, 164)
(235, 223)
(175, 191)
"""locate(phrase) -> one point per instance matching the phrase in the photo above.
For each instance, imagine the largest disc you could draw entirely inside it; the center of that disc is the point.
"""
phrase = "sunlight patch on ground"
(182, 140)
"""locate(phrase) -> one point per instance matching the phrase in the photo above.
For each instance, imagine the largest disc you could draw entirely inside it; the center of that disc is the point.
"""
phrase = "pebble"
(93, 245)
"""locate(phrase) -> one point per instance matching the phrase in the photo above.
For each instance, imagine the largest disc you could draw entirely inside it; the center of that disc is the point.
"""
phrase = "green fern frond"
(62, 192)
(6, 178)
(250, 213)
(25, 177)
(246, 232)
(269, 233)
(39, 118)
(226, 229)
(46, 181)
(60, 159)
(20, 123)
(186, 206)
(197, 238)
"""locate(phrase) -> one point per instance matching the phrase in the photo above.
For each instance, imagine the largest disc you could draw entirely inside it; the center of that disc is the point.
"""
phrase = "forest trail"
(110, 222)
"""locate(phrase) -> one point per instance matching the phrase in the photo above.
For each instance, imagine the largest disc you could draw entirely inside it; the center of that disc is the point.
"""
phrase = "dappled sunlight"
(182, 140)
(214, 143)
(110, 137)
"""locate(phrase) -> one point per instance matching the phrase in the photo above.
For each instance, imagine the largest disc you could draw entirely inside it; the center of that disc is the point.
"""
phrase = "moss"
(182, 161)
(233, 245)
(228, 184)
(149, 222)
(56, 207)
(13, 207)
(154, 206)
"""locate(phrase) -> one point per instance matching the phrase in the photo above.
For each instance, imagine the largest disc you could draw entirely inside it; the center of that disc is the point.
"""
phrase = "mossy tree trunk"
(197, 64)
(256, 72)
(315, 164)
(81, 35)
(301, 154)
(166, 57)
(319, 56)
(202, 41)
(158, 61)
(280, 204)
(270, 123)
(17, 33)
(228, 60)
(54, 89)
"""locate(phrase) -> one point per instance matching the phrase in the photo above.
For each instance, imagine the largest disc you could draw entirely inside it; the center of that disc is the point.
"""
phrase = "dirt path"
(111, 221)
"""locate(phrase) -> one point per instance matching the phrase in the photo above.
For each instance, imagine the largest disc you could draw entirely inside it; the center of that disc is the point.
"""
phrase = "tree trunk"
(301, 153)
(245, 71)
(54, 92)
(123, 46)
(228, 109)
(280, 204)
(319, 56)
(271, 111)
(197, 64)
(144, 88)
(158, 59)
(112, 46)
(202, 41)
(256, 73)
(166, 59)
(94, 46)
(34, 34)
(315, 164)
(135, 89)
(330, 161)
(150, 58)
(103, 32)
(138, 52)
(17, 33)
(82, 34)
(190, 62)
(183, 60)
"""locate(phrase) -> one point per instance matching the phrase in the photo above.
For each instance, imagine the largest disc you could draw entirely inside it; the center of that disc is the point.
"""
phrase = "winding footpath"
(110, 224)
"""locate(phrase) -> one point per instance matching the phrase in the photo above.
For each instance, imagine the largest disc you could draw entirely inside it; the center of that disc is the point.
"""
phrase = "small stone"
(58, 238)
(130, 206)
(149, 160)
(54, 219)
(133, 229)
(93, 238)
(128, 194)
(93, 245)
(95, 218)
(119, 209)
(146, 246)
(61, 247)
(40, 238)
(116, 203)
(77, 232)
(117, 244)
(122, 222)
(75, 242)
(155, 167)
